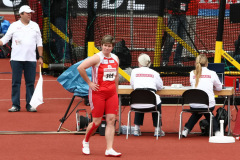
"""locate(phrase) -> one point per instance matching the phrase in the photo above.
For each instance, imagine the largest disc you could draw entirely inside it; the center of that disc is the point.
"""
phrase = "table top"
(168, 90)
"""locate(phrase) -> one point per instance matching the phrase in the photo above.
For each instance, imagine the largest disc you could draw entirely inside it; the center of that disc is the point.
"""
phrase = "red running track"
(68, 146)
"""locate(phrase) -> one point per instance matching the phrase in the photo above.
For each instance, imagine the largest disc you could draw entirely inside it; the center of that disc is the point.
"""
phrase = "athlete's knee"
(97, 121)
(111, 120)
(94, 126)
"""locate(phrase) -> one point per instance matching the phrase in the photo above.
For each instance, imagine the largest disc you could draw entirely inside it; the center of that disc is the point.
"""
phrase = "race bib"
(109, 74)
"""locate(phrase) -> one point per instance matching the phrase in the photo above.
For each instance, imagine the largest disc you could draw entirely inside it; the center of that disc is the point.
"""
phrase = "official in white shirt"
(144, 77)
(208, 81)
(26, 37)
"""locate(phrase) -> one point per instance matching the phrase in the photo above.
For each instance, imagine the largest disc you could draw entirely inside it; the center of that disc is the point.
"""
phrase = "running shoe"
(14, 109)
(159, 135)
(185, 132)
(85, 148)
(137, 132)
(112, 153)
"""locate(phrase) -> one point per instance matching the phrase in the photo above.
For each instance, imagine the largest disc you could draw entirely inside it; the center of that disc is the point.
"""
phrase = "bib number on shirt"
(109, 74)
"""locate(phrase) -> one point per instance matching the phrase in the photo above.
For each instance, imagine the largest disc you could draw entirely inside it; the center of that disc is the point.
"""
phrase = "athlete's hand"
(94, 86)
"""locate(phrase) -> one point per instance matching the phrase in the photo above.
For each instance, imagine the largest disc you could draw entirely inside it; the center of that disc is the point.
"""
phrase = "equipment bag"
(123, 53)
(222, 114)
(82, 119)
(204, 126)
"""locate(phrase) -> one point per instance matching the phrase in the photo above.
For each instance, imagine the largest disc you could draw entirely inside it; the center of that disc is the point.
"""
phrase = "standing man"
(26, 36)
(177, 22)
(58, 18)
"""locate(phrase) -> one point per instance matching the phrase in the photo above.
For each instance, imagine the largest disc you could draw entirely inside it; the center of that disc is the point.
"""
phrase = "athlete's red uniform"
(105, 100)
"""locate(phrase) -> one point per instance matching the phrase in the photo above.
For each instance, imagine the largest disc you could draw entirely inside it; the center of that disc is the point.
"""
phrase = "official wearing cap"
(26, 37)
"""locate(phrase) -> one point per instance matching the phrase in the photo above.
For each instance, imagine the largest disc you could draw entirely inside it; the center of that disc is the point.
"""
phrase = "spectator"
(58, 18)
(177, 23)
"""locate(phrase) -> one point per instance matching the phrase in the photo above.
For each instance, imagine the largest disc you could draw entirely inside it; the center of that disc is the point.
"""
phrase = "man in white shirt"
(26, 36)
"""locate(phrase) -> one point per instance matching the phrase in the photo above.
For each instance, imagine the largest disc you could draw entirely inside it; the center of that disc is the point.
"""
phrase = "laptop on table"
(219, 69)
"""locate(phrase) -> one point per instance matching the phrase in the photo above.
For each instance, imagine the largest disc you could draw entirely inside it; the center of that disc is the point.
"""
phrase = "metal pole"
(131, 23)
(218, 47)
(221, 20)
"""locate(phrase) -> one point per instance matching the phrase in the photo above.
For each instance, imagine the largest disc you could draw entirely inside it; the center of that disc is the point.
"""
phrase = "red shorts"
(103, 102)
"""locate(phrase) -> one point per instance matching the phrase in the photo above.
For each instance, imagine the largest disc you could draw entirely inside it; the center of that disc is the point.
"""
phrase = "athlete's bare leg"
(110, 130)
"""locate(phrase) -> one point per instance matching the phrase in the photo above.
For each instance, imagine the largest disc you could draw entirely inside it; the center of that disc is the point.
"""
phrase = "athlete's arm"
(92, 61)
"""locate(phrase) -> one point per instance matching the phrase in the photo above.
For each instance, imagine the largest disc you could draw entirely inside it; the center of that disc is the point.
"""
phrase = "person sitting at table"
(206, 80)
(144, 77)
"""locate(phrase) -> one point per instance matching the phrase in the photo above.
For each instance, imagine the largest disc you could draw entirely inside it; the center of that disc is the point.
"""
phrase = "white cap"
(144, 60)
(25, 8)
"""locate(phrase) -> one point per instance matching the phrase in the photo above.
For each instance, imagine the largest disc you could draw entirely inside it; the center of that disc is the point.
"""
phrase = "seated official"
(144, 77)
(206, 80)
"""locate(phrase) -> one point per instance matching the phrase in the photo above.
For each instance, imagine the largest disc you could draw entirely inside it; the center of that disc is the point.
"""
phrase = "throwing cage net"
(171, 32)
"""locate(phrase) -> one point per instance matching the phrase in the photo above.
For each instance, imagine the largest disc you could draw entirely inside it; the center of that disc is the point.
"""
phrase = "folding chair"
(143, 101)
(195, 96)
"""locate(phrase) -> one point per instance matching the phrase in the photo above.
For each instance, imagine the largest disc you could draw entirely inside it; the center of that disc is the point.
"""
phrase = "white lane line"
(43, 99)
(35, 80)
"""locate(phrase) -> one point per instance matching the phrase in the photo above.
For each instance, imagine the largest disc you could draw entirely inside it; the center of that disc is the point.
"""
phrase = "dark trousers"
(195, 117)
(63, 51)
(138, 120)
(29, 69)
(177, 23)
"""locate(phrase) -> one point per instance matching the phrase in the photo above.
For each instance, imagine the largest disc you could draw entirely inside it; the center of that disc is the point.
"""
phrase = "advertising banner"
(211, 7)
(197, 7)
(6, 5)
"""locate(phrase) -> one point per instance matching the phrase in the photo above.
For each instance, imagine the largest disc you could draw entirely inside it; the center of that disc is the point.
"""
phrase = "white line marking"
(43, 99)
(35, 80)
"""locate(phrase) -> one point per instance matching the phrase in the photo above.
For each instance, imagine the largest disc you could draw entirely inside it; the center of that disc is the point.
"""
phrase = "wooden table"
(169, 91)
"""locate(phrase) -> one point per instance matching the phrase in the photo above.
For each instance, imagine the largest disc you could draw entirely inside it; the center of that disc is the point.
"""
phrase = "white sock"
(156, 128)
(137, 127)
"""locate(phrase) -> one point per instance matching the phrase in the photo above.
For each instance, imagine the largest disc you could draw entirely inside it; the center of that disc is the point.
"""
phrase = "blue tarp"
(4, 26)
(73, 82)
